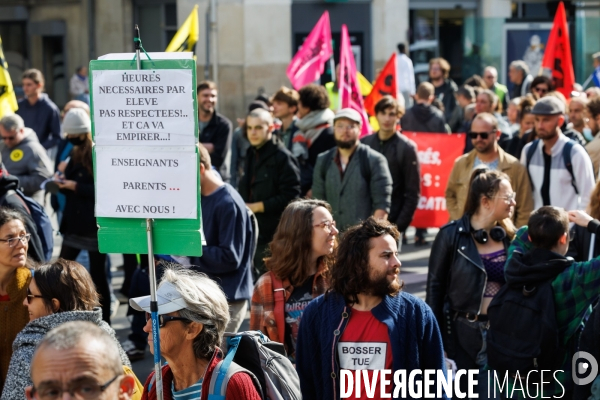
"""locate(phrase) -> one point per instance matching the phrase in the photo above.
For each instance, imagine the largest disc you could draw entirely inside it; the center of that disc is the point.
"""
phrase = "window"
(157, 20)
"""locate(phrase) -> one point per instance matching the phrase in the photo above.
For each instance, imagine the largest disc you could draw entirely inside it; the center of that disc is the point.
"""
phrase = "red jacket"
(240, 387)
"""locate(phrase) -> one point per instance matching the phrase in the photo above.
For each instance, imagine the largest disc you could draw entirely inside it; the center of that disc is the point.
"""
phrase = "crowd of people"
(304, 220)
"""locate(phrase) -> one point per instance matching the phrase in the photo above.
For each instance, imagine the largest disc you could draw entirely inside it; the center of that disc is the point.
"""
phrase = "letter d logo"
(579, 367)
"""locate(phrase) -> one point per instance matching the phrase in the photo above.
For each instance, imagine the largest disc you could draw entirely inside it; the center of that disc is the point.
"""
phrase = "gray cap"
(77, 121)
(348, 113)
(548, 105)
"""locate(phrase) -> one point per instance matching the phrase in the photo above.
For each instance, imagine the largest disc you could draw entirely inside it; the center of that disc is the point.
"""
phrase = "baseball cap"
(548, 105)
(168, 298)
(348, 113)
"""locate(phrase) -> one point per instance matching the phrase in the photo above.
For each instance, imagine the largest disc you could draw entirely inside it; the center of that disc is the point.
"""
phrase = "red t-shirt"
(365, 345)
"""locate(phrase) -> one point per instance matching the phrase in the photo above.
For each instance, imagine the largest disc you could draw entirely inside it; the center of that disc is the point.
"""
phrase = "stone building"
(257, 38)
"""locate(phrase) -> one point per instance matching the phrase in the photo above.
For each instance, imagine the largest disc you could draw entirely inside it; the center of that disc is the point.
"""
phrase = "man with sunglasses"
(484, 136)
(24, 156)
(81, 359)
(559, 168)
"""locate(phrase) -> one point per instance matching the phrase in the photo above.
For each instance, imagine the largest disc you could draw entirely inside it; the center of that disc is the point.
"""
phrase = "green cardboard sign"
(143, 114)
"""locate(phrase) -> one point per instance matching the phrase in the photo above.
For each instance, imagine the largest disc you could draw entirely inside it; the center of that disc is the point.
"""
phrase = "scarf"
(309, 129)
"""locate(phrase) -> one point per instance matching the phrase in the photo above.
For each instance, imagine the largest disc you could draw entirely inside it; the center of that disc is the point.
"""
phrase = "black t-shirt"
(294, 308)
(546, 183)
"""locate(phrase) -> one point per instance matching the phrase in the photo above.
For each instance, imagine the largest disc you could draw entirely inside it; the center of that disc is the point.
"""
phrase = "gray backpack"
(265, 361)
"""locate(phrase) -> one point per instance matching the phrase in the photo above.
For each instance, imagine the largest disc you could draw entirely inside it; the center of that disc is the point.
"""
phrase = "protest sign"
(144, 125)
(437, 152)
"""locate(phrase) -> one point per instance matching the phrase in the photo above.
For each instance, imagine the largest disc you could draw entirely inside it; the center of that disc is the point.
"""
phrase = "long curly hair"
(349, 275)
(291, 246)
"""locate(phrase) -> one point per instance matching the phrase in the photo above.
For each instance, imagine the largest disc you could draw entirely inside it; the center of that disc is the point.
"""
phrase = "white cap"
(348, 113)
(77, 121)
(168, 298)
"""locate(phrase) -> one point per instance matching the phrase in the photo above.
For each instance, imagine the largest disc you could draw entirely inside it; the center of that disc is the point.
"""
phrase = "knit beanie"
(77, 121)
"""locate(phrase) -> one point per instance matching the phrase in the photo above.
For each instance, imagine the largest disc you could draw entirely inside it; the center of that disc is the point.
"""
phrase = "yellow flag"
(186, 37)
(364, 84)
(8, 100)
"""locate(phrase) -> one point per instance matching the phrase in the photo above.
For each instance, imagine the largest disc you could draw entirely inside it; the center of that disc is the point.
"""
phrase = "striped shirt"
(192, 392)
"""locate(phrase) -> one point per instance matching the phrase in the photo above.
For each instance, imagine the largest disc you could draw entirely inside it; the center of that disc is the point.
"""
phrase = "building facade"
(255, 39)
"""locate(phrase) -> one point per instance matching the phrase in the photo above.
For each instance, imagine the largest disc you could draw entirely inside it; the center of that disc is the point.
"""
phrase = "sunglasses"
(483, 135)
(163, 319)
(540, 90)
(31, 296)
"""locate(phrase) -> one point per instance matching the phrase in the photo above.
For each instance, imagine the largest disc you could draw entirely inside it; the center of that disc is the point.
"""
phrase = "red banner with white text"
(437, 152)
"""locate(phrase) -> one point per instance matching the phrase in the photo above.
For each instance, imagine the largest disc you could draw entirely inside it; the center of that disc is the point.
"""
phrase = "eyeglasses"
(540, 90)
(508, 198)
(31, 296)
(327, 225)
(81, 389)
(163, 319)
(483, 135)
(345, 127)
(12, 242)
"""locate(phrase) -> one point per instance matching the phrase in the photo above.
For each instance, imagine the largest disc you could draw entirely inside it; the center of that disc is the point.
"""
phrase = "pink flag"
(349, 92)
(309, 62)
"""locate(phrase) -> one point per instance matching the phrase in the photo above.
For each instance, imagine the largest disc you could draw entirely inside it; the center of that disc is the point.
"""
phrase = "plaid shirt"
(262, 309)
(574, 291)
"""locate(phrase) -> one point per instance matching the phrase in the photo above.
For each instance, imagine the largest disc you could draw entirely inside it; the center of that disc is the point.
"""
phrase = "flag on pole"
(309, 62)
(350, 96)
(384, 85)
(363, 84)
(557, 62)
(187, 36)
(8, 100)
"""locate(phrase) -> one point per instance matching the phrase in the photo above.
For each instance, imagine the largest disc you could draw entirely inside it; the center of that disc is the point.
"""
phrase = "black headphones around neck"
(481, 236)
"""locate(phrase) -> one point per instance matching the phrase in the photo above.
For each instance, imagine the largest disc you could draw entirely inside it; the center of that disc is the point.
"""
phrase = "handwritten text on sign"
(147, 107)
(136, 183)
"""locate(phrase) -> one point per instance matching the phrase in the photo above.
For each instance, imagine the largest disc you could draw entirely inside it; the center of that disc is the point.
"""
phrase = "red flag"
(349, 92)
(557, 61)
(308, 63)
(385, 84)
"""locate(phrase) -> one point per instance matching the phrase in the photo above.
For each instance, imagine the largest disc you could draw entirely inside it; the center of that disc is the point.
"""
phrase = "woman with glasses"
(193, 313)
(78, 226)
(14, 280)
(301, 252)
(466, 266)
(59, 292)
(541, 86)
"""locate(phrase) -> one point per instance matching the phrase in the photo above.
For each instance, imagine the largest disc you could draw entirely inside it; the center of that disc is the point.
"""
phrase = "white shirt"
(562, 193)
(405, 74)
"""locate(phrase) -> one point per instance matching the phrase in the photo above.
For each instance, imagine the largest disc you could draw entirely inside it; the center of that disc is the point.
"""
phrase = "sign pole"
(151, 267)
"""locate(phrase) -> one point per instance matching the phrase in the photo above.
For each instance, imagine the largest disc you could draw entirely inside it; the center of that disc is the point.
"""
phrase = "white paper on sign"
(146, 183)
(362, 355)
(144, 108)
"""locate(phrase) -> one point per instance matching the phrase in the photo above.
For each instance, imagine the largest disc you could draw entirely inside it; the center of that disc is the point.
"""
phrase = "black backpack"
(523, 333)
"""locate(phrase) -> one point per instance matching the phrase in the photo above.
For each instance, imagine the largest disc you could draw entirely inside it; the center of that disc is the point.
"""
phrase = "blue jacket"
(44, 118)
(227, 256)
(413, 330)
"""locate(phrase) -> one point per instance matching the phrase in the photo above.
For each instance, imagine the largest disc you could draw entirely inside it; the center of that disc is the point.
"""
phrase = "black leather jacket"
(456, 272)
